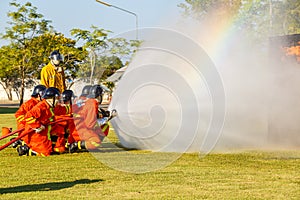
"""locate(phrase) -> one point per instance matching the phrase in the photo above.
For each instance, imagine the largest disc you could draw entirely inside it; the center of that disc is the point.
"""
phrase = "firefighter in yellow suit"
(52, 75)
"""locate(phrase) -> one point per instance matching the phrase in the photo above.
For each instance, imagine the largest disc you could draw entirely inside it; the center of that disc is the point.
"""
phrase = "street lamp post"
(122, 9)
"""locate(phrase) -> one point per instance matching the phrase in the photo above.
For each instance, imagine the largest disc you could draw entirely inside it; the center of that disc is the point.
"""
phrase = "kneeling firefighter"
(89, 134)
(38, 119)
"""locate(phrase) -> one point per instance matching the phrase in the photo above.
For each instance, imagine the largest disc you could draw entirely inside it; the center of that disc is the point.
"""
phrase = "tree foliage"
(9, 69)
(25, 25)
(106, 54)
(259, 18)
(32, 39)
(94, 42)
(288, 14)
(200, 9)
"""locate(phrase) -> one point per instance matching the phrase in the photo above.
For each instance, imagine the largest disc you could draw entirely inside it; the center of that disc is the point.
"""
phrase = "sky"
(68, 14)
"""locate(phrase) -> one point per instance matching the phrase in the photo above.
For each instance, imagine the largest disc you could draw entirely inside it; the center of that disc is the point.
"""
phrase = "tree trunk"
(22, 86)
(8, 90)
(9, 94)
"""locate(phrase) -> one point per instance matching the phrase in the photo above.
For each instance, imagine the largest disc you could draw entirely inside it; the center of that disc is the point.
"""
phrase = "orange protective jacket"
(24, 108)
(60, 129)
(42, 114)
(87, 127)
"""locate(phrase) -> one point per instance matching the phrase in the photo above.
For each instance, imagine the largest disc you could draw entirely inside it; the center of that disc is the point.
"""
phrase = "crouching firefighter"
(62, 129)
(36, 97)
(38, 119)
(89, 134)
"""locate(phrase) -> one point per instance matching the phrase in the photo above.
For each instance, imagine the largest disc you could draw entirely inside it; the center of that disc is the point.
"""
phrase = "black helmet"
(95, 91)
(55, 55)
(51, 92)
(38, 90)
(67, 95)
(86, 90)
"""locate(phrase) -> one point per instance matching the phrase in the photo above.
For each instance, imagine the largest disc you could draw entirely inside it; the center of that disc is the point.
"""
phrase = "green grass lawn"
(244, 175)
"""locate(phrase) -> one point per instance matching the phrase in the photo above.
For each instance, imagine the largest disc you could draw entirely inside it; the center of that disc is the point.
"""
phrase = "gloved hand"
(38, 130)
(102, 120)
(79, 103)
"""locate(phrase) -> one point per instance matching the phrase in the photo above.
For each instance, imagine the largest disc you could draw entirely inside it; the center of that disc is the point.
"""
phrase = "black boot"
(32, 153)
(73, 147)
(53, 140)
(81, 145)
(23, 150)
(77, 146)
(16, 143)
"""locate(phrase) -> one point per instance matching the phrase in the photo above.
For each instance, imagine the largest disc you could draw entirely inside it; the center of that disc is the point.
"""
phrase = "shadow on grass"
(112, 147)
(46, 186)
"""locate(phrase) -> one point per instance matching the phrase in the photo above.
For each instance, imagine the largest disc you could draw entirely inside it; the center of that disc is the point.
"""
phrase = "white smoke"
(167, 101)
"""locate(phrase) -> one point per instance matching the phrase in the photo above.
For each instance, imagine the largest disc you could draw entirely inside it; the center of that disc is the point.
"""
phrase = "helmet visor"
(57, 57)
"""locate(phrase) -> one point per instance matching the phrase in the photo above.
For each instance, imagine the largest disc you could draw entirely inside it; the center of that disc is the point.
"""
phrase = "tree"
(25, 25)
(288, 14)
(94, 42)
(265, 18)
(257, 18)
(201, 9)
(32, 40)
(106, 54)
(9, 71)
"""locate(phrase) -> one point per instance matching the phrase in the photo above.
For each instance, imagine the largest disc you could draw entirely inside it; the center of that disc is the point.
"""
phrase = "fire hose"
(12, 133)
(112, 115)
(26, 133)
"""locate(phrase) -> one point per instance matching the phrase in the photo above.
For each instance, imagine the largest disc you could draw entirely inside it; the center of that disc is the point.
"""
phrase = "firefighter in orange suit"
(79, 103)
(38, 119)
(52, 75)
(36, 97)
(89, 131)
(62, 129)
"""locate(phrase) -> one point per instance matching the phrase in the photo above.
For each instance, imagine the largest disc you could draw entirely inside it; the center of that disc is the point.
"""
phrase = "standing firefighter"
(52, 75)
(38, 119)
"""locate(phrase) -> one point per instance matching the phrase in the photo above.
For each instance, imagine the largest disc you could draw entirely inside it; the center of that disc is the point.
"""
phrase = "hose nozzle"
(113, 113)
